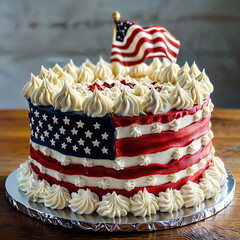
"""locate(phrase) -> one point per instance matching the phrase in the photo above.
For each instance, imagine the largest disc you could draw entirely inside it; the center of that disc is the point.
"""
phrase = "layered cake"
(120, 140)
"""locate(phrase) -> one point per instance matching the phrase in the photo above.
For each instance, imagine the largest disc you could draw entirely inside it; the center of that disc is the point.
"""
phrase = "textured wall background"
(36, 32)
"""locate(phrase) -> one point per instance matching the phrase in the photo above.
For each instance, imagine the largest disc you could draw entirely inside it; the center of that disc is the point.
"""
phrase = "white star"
(36, 135)
(75, 148)
(64, 145)
(33, 121)
(52, 142)
(40, 124)
(88, 134)
(81, 142)
(96, 143)
(30, 125)
(36, 113)
(66, 120)
(46, 133)
(62, 130)
(42, 138)
(87, 150)
(44, 117)
(37, 128)
(105, 136)
(69, 139)
(104, 150)
(56, 135)
(55, 119)
(96, 125)
(32, 132)
(50, 128)
(74, 131)
(31, 109)
(80, 124)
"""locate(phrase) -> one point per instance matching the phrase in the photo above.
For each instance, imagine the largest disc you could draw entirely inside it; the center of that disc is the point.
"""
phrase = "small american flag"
(134, 44)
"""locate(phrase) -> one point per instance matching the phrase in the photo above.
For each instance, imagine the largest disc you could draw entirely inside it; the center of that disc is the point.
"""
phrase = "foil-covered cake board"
(130, 223)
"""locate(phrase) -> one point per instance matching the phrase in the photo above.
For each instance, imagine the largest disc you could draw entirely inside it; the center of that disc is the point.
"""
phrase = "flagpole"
(116, 17)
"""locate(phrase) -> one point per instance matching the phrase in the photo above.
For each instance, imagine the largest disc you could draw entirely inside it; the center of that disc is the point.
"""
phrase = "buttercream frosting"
(102, 70)
(44, 94)
(32, 85)
(67, 99)
(169, 74)
(192, 194)
(203, 78)
(127, 104)
(83, 202)
(85, 74)
(97, 105)
(170, 201)
(43, 72)
(180, 98)
(143, 204)
(138, 71)
(113, 205)
(194, 70)
(57, 197)
(156, 103)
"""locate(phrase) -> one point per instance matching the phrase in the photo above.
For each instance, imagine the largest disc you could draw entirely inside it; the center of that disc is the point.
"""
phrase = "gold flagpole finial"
(116, 15)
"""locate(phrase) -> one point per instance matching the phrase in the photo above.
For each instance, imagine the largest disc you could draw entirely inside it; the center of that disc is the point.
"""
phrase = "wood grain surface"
(14, 148)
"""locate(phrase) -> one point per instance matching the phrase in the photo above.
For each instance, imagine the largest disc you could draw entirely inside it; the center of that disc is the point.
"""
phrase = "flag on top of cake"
(132, 44)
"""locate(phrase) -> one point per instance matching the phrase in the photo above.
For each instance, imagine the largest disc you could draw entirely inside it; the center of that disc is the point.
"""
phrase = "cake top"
(106, 88)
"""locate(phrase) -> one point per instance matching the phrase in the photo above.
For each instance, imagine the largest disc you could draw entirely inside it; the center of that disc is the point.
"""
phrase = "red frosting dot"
(92, 87)
(107, 85)
(131, 85)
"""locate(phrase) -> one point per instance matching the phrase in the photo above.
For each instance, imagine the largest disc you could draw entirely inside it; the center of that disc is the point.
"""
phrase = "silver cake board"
(94, 222)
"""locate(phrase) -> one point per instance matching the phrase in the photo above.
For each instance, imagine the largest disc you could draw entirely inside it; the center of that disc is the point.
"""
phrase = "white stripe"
(163, 157)
(141, 51)
(124, 132)
(119, 183)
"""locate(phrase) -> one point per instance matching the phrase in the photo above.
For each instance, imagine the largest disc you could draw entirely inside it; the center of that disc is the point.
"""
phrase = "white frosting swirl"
(57, 197)
(127, 104)
(138, 71)
(217, 171)
(156, 103)
(140, 90)
(119, 69)
(85, 74)
(25, 181)
(57, 70)
(72, 69)
(37, 191)
(32, 85)
(24, 169)
(83, 202)
(170, 200)
(89, 64)
(183, 70)
(102, 70)
(67, 99)
(67, 77)
(45, 94)
(184, 80)
(209, 186)
(180, 98)
(155, 65)
(203, 78)
(143, 204)
(53, 79)
(113, 205)
(169, 74)
(192, 194)
(197, 91)
(194, 70)
(43, 73)
(97, 105)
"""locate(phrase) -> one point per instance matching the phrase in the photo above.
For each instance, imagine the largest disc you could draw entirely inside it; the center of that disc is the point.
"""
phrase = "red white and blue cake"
(119, 140)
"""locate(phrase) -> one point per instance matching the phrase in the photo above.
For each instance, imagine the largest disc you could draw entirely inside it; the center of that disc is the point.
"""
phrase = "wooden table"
(14, 147)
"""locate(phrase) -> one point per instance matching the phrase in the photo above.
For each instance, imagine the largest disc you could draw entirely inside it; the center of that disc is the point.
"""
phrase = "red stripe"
(100, 192)
(145, 55)
(162, 118)
(159, 142)
(136, 31)
(141, 42)
(127, 173)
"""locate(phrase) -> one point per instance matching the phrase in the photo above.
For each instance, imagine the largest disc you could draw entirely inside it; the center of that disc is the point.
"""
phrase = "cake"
(120, 140)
